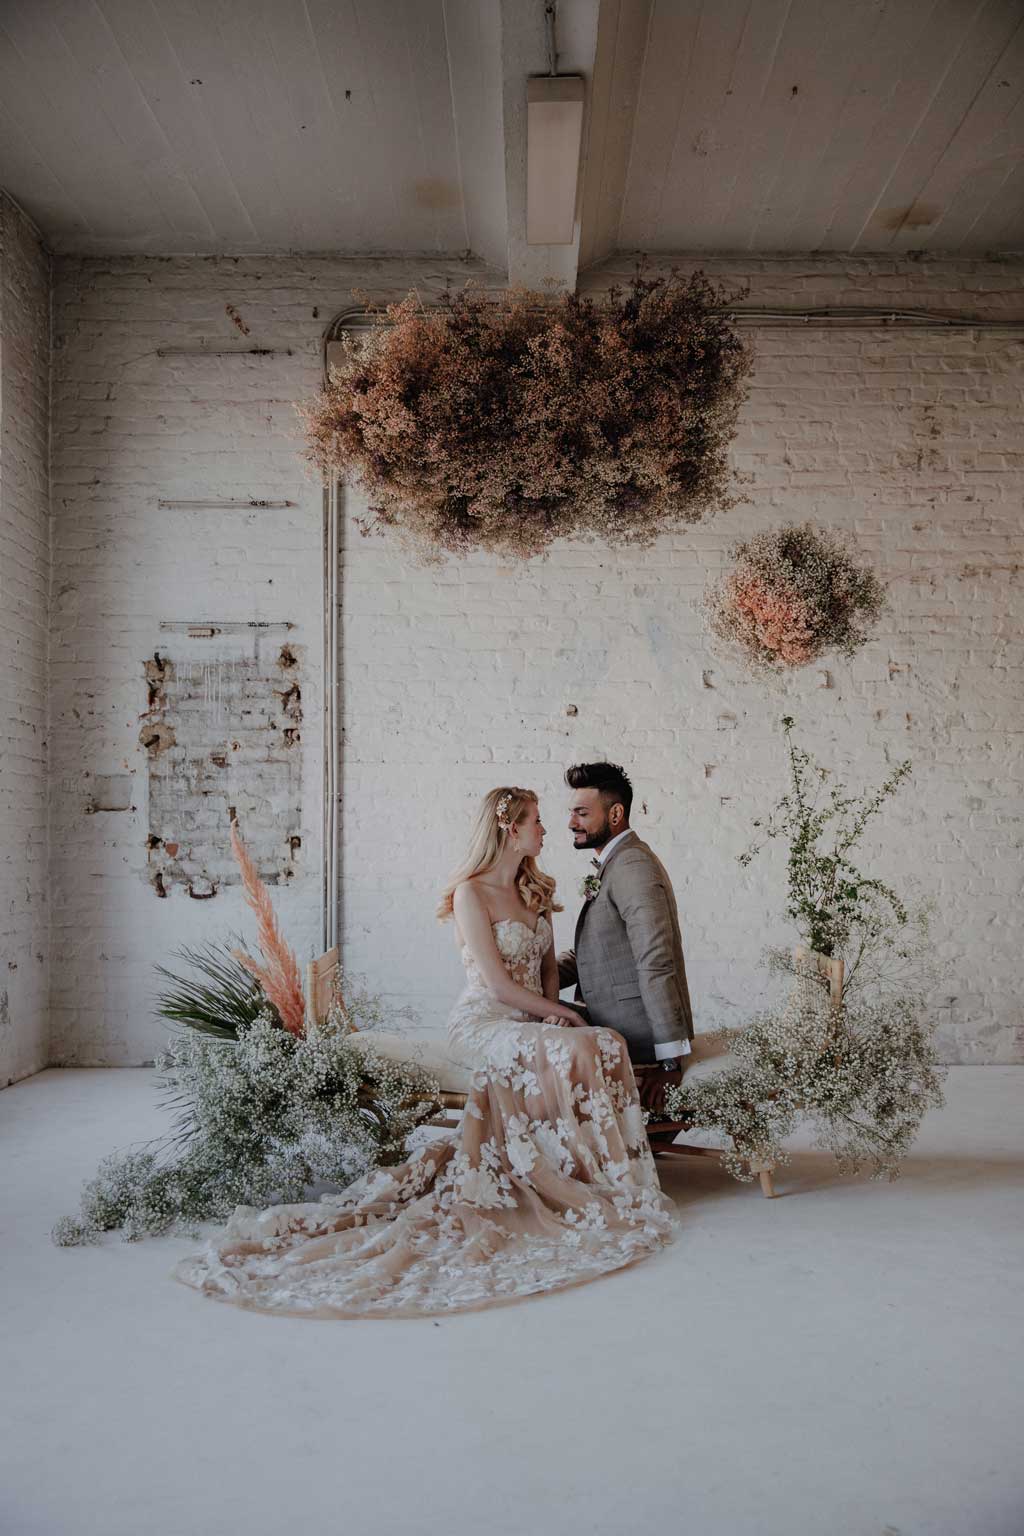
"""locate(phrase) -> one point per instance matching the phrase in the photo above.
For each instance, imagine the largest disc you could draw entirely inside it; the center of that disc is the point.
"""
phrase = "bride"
(549, 1180)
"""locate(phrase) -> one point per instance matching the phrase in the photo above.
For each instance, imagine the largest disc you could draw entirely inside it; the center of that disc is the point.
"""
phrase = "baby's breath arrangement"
(792, 594)
(267, 1100)
(863, 1075)
(828, 896)
(503, 423)
(257, 1119)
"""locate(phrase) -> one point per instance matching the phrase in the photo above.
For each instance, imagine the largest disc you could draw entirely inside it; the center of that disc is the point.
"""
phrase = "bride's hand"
(567, 1018)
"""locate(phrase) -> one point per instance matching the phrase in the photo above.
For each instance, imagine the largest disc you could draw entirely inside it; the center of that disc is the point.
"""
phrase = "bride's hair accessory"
(502, 810)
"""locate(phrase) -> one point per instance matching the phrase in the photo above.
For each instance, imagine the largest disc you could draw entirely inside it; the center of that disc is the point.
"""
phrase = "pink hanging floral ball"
(792, 594)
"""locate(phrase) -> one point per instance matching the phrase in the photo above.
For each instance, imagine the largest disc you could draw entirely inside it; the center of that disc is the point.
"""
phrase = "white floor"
(843, 1361)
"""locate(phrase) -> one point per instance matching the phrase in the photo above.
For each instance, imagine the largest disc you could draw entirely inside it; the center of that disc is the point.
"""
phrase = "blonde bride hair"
(487, 843)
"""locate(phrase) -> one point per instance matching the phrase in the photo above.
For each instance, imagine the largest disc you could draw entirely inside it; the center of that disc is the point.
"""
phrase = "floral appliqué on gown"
(548, 1182)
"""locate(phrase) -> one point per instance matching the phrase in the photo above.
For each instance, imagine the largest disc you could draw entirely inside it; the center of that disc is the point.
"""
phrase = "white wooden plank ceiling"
(395, 126)
(231, 125)
(827, 125)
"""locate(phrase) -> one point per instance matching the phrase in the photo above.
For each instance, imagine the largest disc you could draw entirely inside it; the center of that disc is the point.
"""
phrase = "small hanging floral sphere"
(792, 594)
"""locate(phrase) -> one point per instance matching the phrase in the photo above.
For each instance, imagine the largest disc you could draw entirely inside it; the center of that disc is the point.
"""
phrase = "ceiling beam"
(622, 35)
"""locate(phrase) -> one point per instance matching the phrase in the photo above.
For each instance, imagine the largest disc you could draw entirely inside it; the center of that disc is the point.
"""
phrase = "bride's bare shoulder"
(470, 911)
(468, 897)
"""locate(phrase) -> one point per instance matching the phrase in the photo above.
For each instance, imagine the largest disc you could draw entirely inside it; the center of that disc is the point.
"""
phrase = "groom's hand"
(653, 1078)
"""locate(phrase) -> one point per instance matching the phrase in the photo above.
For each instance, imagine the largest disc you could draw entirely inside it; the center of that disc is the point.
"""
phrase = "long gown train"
(547, 1183)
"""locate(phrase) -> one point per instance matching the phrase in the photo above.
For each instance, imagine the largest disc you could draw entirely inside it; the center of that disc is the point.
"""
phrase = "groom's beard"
(593, 839)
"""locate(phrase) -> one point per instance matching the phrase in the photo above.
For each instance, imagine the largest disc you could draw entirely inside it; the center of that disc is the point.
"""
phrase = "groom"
(627, 964)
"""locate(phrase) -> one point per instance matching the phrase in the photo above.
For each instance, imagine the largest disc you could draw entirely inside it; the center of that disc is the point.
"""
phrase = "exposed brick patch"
(224, 740)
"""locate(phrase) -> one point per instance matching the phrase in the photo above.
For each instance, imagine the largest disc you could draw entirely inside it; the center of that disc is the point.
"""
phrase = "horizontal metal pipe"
(834, 318)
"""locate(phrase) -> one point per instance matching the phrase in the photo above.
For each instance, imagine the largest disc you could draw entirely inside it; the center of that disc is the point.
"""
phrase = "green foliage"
(220, 999)
(828, 897)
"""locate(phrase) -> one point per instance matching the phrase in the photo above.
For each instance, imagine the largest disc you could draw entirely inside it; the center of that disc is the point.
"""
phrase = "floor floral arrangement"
(268, 1103)
(862, 1071)
(265, 1102)
(793, 594)
(505, 422)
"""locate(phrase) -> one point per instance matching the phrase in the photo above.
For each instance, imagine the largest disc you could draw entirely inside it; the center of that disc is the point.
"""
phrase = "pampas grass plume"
(279, 977)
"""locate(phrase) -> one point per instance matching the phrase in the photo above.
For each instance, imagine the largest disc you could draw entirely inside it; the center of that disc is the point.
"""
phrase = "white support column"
(524, 52)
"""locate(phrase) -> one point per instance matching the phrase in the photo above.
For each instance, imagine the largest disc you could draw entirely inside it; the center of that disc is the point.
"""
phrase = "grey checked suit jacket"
(627, 964)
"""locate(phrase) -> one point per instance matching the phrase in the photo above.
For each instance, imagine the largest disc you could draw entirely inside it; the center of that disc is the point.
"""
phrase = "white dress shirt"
(669, 1049)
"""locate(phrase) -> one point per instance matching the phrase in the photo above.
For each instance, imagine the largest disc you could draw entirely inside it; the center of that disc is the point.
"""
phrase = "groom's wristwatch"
(670, 1063)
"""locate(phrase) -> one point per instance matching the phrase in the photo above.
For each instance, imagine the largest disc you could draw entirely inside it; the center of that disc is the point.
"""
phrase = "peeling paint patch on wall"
(222, 738)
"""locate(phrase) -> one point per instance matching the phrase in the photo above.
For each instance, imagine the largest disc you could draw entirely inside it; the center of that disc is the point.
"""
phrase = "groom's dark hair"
(609, 778)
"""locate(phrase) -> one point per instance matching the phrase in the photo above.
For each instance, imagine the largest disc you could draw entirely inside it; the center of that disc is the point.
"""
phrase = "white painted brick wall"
(24, 583)
(131, 429)
(454, 680)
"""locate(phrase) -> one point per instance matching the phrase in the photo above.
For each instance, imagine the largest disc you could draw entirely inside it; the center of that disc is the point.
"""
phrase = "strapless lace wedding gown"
(548, 1182)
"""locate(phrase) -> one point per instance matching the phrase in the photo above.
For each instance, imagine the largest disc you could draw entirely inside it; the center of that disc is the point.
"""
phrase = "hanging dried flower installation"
(792, 594)
(505, 423)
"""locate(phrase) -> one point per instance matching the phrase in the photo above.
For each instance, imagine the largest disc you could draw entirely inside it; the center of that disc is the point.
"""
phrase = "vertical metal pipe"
(330, 713)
